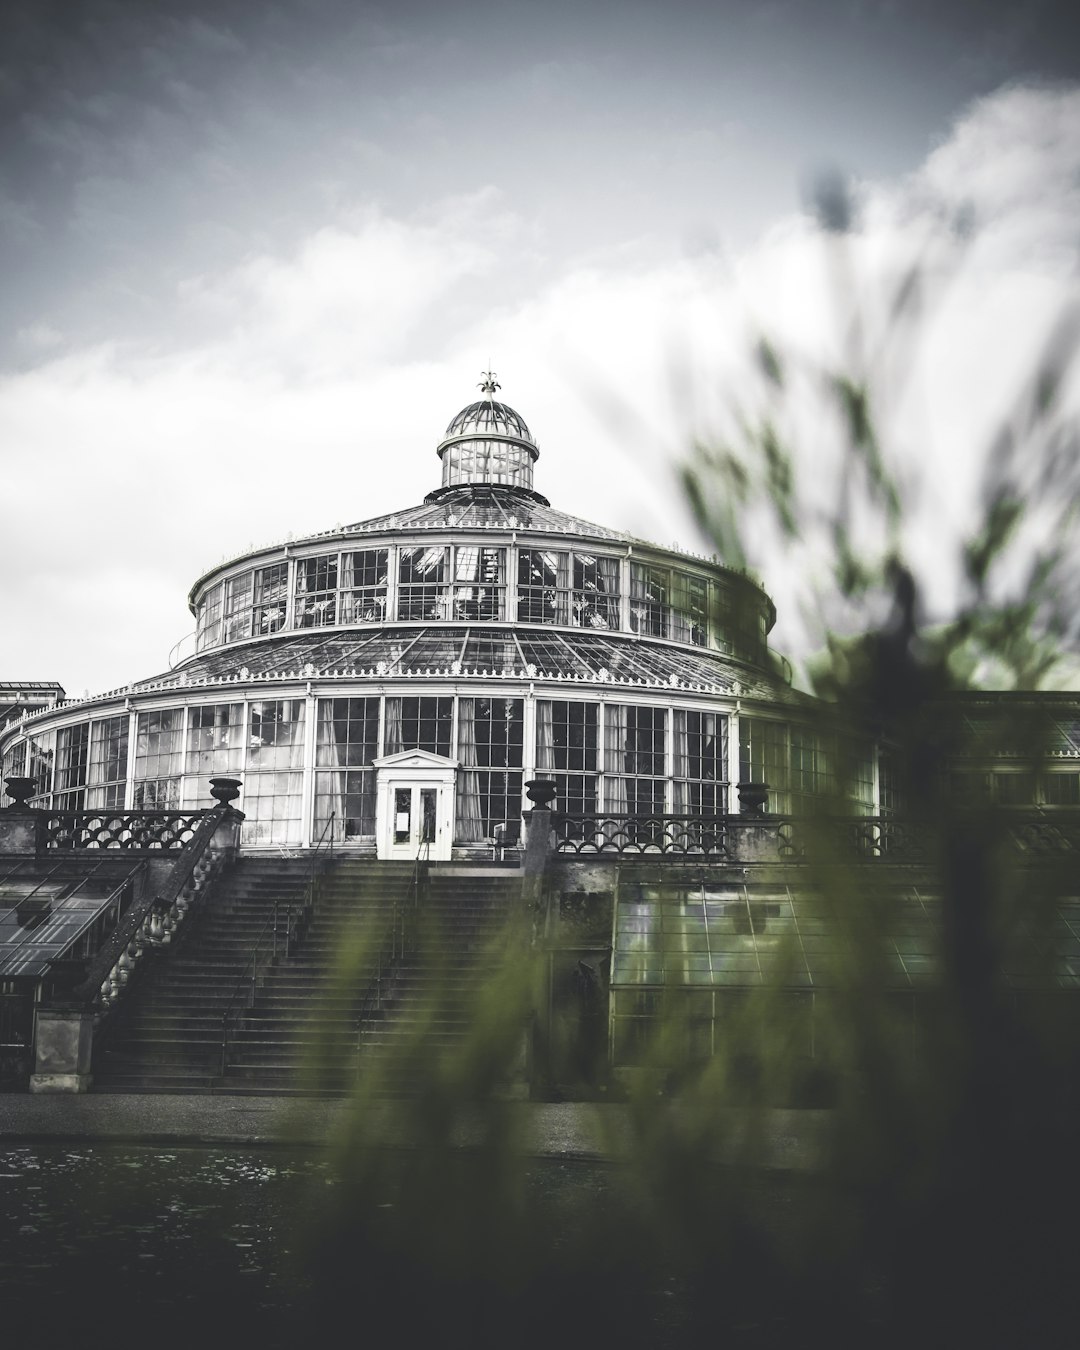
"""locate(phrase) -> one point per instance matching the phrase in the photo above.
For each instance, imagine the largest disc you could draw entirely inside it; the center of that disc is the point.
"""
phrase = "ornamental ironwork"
(630, 834)
(165, 831)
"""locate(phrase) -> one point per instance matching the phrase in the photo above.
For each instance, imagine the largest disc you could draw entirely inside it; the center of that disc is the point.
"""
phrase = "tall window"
(701, 749)
(215, 744)
(479, 583)
(40, 767)
(813, 767)
(634, 759)
(690, 615)
(363, 586)
(237, 608)
(274, 775)
(594, 601)
(763, 758)
(72, 756)
(490, 739)
(270, 598)
(543, 586)
(208, 621)
(419, 724)
(346, 742)
(650, 600)
(566, 752)
(108, 762)
(316, 591)
(423, 583)
(158, 756)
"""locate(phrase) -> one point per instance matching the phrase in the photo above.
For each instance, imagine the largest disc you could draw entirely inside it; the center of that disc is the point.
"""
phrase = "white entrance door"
(414, 806)
(415, 824)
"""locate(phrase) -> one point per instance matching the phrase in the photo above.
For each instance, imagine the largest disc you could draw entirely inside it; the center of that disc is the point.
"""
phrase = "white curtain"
(545, 739)
(470, 826)
(392, 738)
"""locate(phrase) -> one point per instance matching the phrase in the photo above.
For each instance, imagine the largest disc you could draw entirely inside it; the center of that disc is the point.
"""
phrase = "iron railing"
(396, 943)
(168, 831)
(624, 832)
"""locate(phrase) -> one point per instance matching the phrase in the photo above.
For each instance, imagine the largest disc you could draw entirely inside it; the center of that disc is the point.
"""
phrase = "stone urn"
(541, 792)
(225, 790)
(20, 790)
(752, 798)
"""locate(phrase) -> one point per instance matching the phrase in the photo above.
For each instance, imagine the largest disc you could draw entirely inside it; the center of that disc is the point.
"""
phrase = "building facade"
(493, 636)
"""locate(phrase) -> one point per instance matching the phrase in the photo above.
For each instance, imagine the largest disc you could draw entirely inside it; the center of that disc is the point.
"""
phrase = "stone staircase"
(318, 1011)
(427, 1009)
(166, 1034)
(300, 1034)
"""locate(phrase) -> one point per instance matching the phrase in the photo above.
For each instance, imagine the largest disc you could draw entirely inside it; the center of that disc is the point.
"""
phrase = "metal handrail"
(393, 946)
(269, 929)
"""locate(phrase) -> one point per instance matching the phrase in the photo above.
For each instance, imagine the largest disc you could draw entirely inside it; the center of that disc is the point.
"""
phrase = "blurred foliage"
(942, 1203)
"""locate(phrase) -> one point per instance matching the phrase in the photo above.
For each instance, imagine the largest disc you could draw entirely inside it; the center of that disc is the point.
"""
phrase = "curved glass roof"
(480, 506)
(488, 418)
(482, 650)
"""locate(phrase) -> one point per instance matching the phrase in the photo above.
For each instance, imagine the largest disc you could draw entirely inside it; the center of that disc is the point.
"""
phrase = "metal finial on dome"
(489, 383)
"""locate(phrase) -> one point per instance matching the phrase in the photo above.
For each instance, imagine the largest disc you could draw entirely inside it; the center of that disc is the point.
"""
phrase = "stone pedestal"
(21, 831)
(62, 1049)
(758, 842)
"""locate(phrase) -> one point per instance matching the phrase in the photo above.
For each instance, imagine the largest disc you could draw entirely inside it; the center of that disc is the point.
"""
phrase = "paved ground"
(789, 1140)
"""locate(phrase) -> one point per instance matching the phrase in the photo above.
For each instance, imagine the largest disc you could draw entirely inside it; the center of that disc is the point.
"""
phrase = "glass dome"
(488, 442)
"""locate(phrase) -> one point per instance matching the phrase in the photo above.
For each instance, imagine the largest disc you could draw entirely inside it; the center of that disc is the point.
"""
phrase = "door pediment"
(414, 759)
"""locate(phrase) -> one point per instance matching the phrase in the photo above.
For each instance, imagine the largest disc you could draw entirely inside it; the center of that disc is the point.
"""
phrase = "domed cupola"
(488, 442)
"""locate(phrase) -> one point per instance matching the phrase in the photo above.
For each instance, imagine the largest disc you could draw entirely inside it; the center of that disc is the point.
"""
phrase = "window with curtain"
(595, 601)
(423, 583)
(107, 777)
(274, 777)
(566, 752)
(316, 591)
(490, 747)
(158, 758)
(72, 756)
(346, 742)
(270, 598)
(650, 600)
(419, 724)
(543, 584)
(215, 745)
(690, 612)
(479, 583)
(363, 585)
(700, 762)
(634, 759)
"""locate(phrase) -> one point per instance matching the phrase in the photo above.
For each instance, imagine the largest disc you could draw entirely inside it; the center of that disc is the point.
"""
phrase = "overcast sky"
(254, 258)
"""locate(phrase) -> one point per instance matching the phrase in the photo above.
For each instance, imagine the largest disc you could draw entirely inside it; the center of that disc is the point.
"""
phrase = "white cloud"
(337, 367)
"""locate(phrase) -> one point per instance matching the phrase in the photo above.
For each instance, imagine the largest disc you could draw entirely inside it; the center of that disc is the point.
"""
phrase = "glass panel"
(237, 609)
(595, 601)
(72, 753)
(273, 778)
(402, 815)
(763, 758)
(419, 724)
(364, 583)
(650, 600)
(423, 592)
(108, 762)
(208, 619)
(215, 741)
(479, 577)
(316, 591)
(542, 586)
(347, 738)
(271, 592)
(158, 758)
